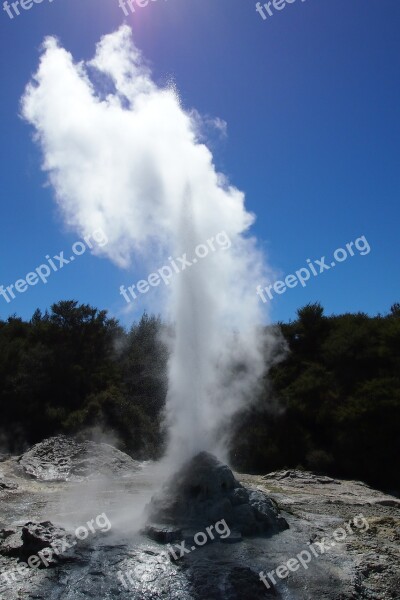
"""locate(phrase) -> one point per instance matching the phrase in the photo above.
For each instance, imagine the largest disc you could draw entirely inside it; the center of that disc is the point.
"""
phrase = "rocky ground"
(319, 505)
(61, 485)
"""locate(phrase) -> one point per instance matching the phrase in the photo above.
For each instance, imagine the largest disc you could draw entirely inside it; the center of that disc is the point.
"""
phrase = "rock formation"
(205, 491)
(63, 459)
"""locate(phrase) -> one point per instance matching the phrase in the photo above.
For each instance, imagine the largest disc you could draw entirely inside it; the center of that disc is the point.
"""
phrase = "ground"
(360, 560)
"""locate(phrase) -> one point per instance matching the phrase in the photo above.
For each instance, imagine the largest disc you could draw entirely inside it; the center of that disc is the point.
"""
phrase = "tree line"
(331, 405)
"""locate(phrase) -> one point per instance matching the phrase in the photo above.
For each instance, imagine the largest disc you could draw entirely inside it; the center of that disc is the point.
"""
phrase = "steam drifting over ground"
(123, 155)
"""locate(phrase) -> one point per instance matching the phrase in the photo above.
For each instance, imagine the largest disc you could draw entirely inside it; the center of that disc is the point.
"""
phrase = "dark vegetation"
(75, 370)
(332, 405)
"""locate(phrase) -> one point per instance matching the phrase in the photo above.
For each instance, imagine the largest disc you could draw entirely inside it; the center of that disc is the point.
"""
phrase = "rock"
(239, 496)
(37, 536)
(220, 509)
(124, 566)
(233, 538)
(4, 533)
(62, 459)
(237, 583)
(162, 534)
(245, 519)
(204, 492)
(306, 477)
(6, 485)
(389, 502)
(11, 541)
(266, 512)
(28, 540)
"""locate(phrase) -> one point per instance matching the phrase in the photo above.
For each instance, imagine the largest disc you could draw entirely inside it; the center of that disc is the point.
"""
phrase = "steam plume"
(122, 155)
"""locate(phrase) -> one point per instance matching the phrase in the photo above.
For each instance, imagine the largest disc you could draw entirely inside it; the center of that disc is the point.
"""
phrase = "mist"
(122, 155)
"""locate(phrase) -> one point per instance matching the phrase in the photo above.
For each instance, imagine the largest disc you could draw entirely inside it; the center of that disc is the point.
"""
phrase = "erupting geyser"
(124, 156)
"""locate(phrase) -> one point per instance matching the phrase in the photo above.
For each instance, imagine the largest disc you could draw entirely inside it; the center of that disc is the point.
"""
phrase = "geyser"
(123, 156)
(204, 491)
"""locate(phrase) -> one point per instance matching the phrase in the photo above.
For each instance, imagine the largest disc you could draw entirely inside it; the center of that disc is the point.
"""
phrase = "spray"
(131, 164)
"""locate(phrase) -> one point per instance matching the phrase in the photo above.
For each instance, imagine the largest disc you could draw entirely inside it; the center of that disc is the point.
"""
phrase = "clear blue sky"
(311, 97)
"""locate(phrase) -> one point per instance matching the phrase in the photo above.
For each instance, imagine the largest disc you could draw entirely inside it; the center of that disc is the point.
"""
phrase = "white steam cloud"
(122, 155)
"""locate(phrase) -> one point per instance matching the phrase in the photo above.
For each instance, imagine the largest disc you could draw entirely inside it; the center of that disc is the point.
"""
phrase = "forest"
(331, 404)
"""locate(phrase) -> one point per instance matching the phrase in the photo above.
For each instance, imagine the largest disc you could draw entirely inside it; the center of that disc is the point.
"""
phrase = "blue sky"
(311, 97)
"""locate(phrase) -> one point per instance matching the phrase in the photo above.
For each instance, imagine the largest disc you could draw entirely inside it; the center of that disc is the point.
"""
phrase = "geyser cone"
(205, 491)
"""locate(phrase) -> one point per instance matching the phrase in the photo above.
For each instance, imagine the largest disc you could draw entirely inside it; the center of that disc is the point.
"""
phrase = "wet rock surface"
(204, 492)
(27, 540)
(372, 555)
(7, 485)
(122, 564)
(62, 459)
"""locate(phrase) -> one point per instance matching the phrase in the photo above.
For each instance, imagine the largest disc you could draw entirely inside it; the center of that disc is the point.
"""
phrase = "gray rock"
(266, 511)
(389, 502)
(239, 496)
(365, 566)
(6, 485)
(163, 534)
(306, 477)
(245, 519)
(204, 492)
(63, 459)
(233, 538)
(28, 540)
